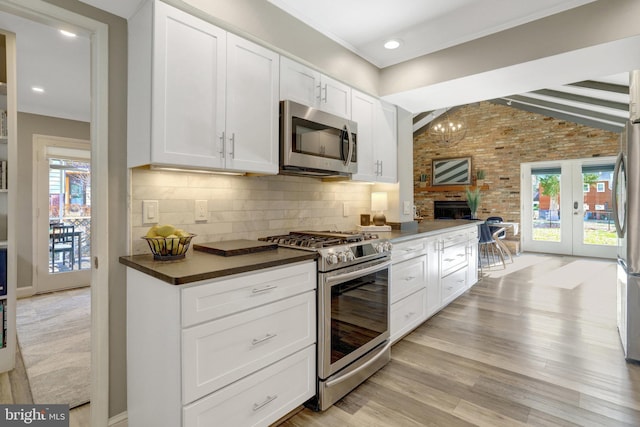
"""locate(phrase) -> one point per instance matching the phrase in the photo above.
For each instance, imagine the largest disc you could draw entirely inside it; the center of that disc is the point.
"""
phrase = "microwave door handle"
(350, 154)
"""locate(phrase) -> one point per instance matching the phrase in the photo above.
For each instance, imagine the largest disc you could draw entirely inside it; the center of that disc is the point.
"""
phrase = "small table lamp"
(379, 205)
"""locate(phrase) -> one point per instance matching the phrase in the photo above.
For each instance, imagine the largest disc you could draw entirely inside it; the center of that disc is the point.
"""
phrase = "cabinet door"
(252, 107)
(259, 399)
(407, 277)
(299, 83)
(434, 298)
(363, 113)
(188, 105)
(473, 258)
(386, 142)
(335, 97)
(218, 353)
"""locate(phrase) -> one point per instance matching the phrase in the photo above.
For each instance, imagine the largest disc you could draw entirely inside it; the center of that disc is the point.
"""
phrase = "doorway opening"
(62, 177)
(567, 207)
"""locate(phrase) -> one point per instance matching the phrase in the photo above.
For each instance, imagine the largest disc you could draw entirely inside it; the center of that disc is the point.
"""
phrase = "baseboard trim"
(25, 292)
(120, 420)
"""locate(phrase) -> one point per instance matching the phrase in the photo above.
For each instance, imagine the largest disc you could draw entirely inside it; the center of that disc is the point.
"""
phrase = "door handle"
(575, 205)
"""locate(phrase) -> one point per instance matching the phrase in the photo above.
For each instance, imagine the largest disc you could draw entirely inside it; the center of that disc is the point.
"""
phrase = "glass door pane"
(598, 226)
(545, 204)
(69, 215)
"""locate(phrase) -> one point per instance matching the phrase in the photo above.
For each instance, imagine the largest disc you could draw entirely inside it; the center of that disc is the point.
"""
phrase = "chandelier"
(448, 129)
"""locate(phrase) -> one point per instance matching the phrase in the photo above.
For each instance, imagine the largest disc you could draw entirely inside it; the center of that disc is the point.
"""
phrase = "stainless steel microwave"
(316, 143)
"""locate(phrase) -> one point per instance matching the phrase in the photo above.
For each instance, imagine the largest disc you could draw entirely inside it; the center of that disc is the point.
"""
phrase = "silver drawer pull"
(268, 400)
(461, 281)
(409, 278)
(449, 259)
(462, 255)
(408, 315)
(265, 289)
(412, 249)
(263, 339)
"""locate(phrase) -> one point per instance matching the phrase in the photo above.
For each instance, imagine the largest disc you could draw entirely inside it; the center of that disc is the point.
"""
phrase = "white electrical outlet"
(407, 207)
(202, 212)
(345, 209)
(150, 212)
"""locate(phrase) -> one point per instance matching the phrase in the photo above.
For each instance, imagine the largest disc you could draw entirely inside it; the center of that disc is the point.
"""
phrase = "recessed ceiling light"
(68, 34)
(392, 44)
(37, 89)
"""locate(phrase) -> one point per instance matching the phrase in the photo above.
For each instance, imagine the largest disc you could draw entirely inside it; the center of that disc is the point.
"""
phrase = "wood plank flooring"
(535, 344)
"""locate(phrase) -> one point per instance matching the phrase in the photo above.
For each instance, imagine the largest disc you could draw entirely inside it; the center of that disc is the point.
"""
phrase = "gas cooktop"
(337, 249)
(313, 240)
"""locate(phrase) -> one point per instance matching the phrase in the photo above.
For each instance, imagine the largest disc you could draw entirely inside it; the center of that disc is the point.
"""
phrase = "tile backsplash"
(244, 207)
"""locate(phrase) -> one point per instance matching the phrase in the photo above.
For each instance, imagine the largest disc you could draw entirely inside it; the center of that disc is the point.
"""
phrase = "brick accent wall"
(498, 140)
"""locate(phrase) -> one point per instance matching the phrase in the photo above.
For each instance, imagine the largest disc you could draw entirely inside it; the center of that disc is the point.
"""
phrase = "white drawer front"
(223, 297)
(261, 398)
(408, 313)
(217, 353)
(453, 285)
(453, 257)
(406, 250)
(407, 277)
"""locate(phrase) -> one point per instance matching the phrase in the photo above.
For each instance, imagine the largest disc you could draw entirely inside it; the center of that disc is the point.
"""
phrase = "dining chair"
(494, 219)
(489, 251)
(62, 240)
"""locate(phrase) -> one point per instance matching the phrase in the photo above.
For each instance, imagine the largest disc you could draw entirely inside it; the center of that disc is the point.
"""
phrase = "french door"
(567, 207)
(62, 198)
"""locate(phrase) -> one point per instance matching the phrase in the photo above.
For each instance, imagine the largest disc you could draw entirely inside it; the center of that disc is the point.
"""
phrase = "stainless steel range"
(353, 308)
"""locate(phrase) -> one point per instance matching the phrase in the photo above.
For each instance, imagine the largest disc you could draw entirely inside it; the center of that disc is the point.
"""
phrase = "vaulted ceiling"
(62, 65)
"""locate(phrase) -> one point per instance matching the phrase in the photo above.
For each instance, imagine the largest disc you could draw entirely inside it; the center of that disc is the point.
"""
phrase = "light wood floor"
(537, 346)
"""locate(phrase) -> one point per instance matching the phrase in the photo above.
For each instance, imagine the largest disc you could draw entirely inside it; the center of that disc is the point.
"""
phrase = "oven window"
(318, 140)
(359, 312)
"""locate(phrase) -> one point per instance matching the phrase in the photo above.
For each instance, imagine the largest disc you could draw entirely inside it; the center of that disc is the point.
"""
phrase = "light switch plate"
(407, 207)
(202, 211)
(150, 214)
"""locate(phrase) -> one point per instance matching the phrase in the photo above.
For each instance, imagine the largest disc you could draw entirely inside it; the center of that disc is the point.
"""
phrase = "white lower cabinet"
(428, 273)
(238, 350)
(243, 343)
(453, 285)
(259, 399)
(408, 313)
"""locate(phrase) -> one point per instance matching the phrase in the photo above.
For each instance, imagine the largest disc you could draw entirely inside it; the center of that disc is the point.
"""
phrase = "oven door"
(353, 314)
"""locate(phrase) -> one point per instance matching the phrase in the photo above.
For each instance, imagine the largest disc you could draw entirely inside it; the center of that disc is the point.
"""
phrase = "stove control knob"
(342, 256)
(379, 247)
(387, 246)
(350, 256)
(332, 259)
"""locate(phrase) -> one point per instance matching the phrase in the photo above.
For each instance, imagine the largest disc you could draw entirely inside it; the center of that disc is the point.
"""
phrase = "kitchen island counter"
(427, 229)
(197, 266)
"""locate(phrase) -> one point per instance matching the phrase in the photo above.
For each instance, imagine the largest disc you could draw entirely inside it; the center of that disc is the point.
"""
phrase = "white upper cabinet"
(199, 97)
(363, 112)
(307, 86)
(377, 139)
(252, 127)
(385, 141)
(299, 83)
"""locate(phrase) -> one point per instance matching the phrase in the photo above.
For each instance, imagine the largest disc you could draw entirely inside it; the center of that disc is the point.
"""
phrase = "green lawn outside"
(592, 236)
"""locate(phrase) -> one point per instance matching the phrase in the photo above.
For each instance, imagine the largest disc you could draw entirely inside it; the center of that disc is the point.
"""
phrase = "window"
(600, 187)
(585, 187)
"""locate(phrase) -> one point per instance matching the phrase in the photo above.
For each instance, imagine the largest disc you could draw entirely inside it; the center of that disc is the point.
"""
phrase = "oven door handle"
(360, 368)
(355, 274)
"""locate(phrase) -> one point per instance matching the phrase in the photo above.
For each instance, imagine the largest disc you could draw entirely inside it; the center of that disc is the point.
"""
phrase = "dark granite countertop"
(426, 229)
(198, 265)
